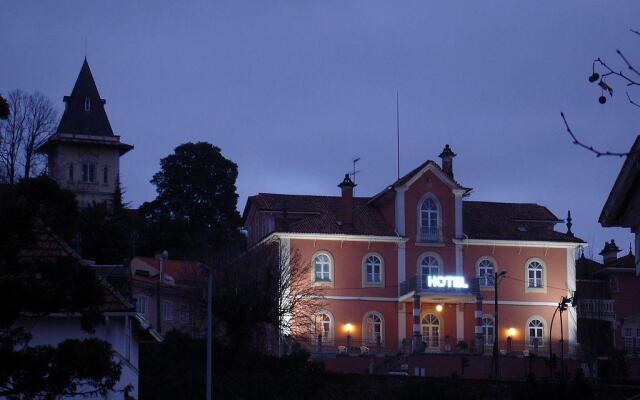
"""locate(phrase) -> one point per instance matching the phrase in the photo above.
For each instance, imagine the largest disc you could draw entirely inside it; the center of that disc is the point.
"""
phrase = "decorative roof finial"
(569, 224)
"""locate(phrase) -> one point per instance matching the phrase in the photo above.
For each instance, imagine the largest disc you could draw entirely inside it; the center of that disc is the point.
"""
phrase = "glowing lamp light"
(511, 332)
(439, 308)
(348, 328)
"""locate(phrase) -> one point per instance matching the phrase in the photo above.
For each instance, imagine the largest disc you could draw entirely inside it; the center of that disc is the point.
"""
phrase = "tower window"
(70, 172)
(105, 174)
(88, 172)
(87, 104)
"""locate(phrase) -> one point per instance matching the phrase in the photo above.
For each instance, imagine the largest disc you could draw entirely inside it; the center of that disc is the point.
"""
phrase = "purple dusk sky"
(292, 90)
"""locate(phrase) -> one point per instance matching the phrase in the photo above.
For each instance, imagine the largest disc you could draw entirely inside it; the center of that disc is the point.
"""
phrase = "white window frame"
(422, 280)
(365, 328)
(330, 281)
(167, 310)
(142, 307)
(479, 267)
(488, 342)
(430, 342)
(543, 279)
(365, 274)
(438, 211)
(528, 338)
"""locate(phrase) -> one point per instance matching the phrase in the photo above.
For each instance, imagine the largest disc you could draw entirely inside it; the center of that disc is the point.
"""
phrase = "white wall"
(53, 330)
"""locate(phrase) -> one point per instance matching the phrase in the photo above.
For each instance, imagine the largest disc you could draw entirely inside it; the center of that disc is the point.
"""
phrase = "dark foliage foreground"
(176, 370)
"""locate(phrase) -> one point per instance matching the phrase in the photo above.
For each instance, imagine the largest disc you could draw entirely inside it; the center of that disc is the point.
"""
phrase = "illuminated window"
(429, 220)
(536, 333)
(486, 269)
(431, 331)
(323, 325)
(373, 270)
(534, 275)
(487, 330)
(322, 268)
(372, 328)
(428, 266)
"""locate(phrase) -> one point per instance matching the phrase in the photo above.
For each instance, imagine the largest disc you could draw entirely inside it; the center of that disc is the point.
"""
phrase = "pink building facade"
(413, 266)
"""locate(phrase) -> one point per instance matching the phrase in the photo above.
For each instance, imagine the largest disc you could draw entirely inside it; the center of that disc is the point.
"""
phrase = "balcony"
(602, 309)
(429, 234)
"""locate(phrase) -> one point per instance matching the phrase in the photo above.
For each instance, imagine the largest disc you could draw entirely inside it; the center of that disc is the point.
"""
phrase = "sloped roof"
(321, 214)
(622, 207)
(511, 221)
(183, 272)
(76, 119)
(48, 246)
(406, 178)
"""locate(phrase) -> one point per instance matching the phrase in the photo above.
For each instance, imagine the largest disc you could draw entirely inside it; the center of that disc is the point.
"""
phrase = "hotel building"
(414, 266)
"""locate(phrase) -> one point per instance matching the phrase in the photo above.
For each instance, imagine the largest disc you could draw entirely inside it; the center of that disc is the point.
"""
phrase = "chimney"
(347, 186)
(610, 252)
(447, 160)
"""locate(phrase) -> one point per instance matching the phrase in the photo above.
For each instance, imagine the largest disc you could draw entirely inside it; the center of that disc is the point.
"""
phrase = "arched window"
(486, 269)
(535, 275)
(429, 265)
(429, 220)
(487, 330)
(372, 328)
(323, 325)
(322, 268)
(431, 331)
(87, 104)
(373, 270)
(536, 332)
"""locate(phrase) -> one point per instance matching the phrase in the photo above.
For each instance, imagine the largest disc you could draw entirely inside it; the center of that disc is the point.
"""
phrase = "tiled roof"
(512, 221)
(183, 272)
(406, 178)
(48, 246)
(321, 214)
(482, 220)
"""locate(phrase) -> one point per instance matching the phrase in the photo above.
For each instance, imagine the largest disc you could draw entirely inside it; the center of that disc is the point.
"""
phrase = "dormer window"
(429, 223)
(87, 104)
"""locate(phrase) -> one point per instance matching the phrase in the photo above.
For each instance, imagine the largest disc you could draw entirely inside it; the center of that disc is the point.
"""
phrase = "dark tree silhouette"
(194, 214)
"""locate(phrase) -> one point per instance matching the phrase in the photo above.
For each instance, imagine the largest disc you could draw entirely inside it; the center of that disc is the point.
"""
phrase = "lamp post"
(562, 307)
(496, 332)
(210, 335)
(349, 328)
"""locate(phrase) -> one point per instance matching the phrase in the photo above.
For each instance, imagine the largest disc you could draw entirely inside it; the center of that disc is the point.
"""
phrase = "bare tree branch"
(577, 142)
(631, 101)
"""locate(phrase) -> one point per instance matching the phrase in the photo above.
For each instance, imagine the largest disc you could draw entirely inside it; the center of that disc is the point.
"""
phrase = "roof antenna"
(398, 131)
(355, 171)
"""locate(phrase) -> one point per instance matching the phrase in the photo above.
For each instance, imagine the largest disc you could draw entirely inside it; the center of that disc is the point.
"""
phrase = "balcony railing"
(602, 309)
(429, 234)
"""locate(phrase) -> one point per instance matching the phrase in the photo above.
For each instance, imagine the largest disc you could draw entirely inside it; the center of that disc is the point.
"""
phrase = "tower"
(84, 154)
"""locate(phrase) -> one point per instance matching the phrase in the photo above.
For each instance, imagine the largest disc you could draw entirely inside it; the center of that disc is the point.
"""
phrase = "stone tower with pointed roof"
(84, 154)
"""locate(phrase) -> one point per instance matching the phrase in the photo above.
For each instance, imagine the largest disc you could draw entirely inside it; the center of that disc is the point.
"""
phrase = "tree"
(40, 124)
(267, 295)
(194, 214)
(602, 74)
(33, 286)
(30, 121)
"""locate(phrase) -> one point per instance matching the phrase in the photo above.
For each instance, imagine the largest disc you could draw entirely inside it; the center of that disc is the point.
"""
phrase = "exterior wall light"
(439, 308)
(348, 328)
(511, 332)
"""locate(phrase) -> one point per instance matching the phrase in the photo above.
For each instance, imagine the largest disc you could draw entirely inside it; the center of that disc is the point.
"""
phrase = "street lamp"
(348, 328)
(565, 302)
(496, 276)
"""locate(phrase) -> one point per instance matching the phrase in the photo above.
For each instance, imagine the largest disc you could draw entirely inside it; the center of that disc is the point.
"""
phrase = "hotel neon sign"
(446, 281)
